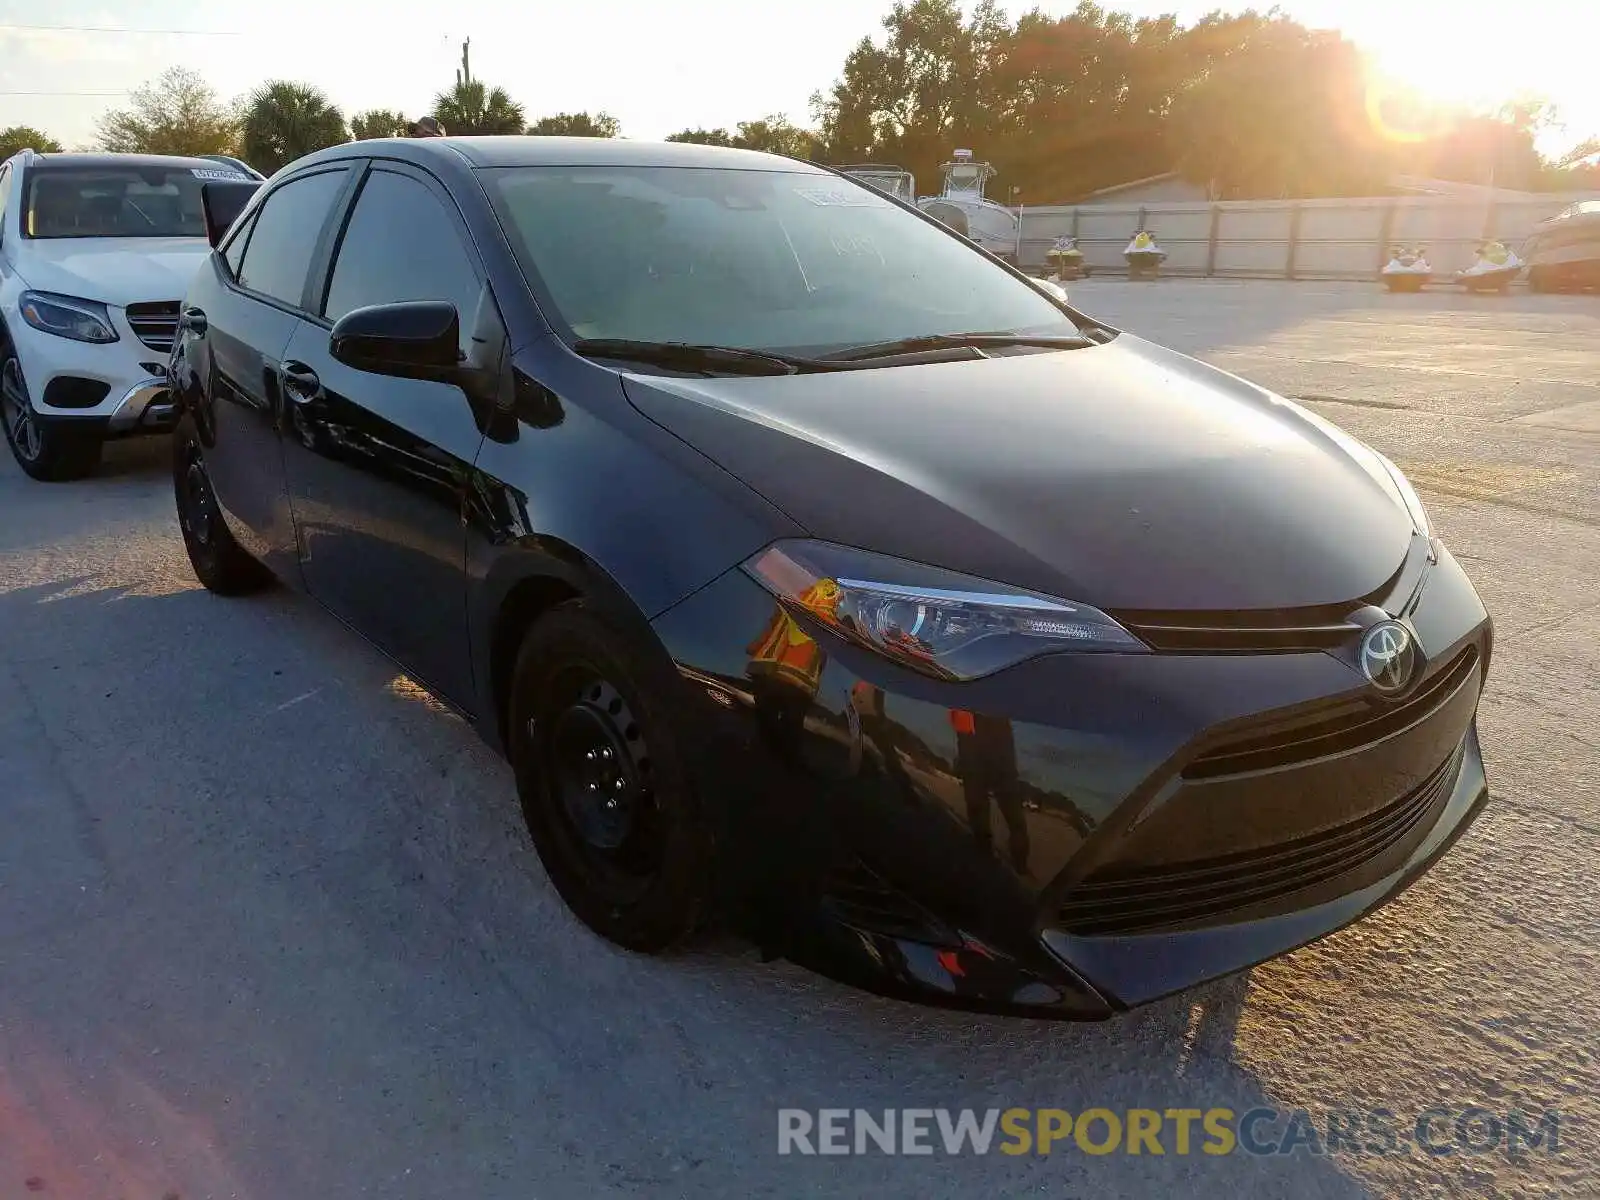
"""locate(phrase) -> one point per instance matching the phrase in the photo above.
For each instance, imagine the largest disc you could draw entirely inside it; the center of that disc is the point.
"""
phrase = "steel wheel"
(21, 427)
(600, 776)
(604, 785)
(197, 508)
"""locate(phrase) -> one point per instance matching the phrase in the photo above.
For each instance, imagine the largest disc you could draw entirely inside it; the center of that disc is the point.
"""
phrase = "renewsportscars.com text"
(1439, 1132)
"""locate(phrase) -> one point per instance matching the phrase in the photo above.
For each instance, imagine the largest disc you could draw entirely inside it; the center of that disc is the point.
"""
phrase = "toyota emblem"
(1388, 656)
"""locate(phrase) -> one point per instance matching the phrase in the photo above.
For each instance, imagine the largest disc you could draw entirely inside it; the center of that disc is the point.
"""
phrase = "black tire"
(589, 723)
(49, 451)
(219, 562)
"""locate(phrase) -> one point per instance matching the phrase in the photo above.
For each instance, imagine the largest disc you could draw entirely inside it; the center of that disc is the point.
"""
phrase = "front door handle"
(300, 382)
(194, 320)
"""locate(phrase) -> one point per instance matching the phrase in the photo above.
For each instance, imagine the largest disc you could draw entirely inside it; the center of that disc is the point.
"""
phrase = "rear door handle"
(300, 382)
(194, 320)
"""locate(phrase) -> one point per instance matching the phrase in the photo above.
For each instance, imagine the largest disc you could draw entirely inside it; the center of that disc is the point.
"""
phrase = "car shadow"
(272, 919)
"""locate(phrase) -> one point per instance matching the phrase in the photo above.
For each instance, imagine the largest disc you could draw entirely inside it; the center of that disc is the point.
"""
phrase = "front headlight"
(67, 316)
(939, 622)
(1408, 495)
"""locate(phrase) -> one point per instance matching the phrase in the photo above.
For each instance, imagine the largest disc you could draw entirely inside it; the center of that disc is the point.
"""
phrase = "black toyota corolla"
(820, 574)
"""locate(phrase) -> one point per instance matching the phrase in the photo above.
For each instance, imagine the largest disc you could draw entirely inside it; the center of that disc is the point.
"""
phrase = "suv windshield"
(766, 260)
(82, 202)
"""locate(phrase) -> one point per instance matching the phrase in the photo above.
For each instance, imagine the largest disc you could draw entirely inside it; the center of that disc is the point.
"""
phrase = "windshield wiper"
(944, 341)
(733, 360)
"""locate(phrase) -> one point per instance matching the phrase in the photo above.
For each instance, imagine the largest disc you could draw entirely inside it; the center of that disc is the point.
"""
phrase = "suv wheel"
(219, 562)
(604, 788)
(46, 450)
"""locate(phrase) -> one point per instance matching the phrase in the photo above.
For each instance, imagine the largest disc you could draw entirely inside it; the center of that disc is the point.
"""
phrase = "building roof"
(1114, 189)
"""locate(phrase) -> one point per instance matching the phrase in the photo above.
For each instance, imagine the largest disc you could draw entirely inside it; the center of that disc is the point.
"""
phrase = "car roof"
(48, 161)
(567, 151)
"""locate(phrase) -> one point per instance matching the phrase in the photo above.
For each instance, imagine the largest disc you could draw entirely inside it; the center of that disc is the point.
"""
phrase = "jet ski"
(1407, 269)
(1496, 266)
(1066, 260)
(1144, 255)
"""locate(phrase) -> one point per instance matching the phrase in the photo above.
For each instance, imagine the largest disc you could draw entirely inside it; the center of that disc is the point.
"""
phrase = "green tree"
(176, 113)
(579, 124)
(1313, 139)
(25, 137)
(776, 135)
(379, 123)
(284, 121)
(471, 108)
(702, 137)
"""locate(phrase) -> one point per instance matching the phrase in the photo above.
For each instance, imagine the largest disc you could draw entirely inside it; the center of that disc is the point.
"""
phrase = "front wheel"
(48, 451)
(604, 788)
(218, 560)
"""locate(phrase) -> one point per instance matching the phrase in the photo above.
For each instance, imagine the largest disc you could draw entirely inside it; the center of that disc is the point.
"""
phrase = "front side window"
(766, 260)
(401, 244)
(284, 238)
(114, 201)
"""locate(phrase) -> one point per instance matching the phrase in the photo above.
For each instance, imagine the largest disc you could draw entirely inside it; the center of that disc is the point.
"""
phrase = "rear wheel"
(47, 450)
(604, 788)
(219, 562)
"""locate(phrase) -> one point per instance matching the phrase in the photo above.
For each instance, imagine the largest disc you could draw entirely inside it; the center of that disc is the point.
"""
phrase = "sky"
(659, 67)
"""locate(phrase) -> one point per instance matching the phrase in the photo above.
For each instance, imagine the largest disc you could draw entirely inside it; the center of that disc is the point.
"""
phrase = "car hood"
(1123, 475)
(113, 270)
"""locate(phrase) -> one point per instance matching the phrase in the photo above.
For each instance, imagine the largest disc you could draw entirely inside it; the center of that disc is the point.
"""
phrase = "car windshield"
(766, 260)
(97, 202)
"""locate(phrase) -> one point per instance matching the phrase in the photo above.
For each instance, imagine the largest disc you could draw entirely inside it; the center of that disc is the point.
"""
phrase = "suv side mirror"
(419, 339)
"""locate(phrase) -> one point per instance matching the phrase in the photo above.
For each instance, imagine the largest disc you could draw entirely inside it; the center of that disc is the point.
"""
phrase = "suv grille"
(1148, 899)
(155, 322)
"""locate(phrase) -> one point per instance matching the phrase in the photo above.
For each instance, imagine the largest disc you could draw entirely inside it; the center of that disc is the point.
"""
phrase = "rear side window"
(401, 244)
(285, 236)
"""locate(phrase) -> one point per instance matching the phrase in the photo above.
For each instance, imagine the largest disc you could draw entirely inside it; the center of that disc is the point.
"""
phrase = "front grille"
(1148, 899)
(155, 322)
(1354, 723)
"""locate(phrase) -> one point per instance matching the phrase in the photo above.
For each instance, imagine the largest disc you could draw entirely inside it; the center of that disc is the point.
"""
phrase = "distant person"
(427, 127)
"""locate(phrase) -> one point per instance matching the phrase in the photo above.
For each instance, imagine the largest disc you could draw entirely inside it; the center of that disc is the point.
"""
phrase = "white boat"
(1407, 269)
(1494, 269)
(892, 180)
(963, 206)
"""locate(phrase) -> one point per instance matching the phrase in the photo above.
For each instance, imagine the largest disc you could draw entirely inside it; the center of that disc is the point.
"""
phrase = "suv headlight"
(67, 316)
(938, 622)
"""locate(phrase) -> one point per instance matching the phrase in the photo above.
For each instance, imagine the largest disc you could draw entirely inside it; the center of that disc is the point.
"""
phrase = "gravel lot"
(270, 926)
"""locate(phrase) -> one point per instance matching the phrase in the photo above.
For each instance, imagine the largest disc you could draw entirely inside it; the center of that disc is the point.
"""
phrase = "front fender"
(583, 495)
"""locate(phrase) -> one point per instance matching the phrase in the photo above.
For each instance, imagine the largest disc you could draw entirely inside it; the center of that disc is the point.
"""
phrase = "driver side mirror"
(419, 339)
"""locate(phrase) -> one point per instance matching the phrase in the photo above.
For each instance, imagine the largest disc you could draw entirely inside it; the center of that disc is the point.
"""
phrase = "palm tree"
(285, 120)
(379, 123)
(471, 108)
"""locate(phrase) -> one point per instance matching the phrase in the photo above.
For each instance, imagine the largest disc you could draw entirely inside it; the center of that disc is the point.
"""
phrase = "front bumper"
(117, 389)
(1131, 830)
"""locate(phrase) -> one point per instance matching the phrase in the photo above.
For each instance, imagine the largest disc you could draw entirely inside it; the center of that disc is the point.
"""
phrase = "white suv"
(96, 251)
